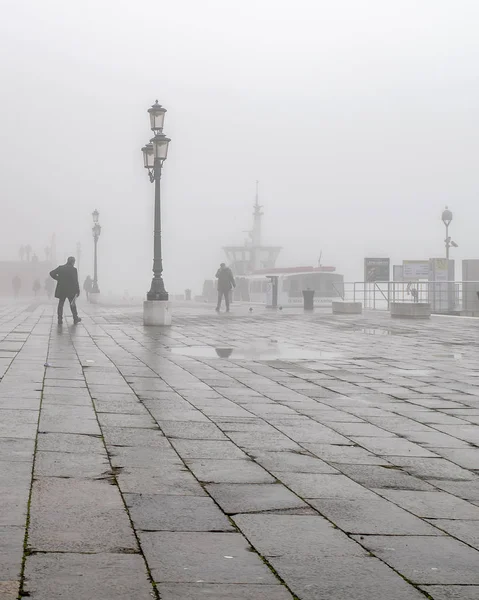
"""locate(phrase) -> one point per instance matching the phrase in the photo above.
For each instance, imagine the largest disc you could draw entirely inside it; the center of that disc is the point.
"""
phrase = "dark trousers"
(226, 294)
(73, 306)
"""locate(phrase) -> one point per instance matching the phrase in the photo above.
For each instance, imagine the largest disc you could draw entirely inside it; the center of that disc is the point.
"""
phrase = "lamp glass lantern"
(446, 217)
(160, 146)
(148, 156)
(157, 117)
(95, 214)
(96, 230)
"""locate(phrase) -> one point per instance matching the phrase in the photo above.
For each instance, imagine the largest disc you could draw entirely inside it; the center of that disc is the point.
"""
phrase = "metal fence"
(448, 297)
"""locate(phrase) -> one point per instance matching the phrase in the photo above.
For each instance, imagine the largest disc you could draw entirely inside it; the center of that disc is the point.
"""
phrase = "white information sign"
(414, 270)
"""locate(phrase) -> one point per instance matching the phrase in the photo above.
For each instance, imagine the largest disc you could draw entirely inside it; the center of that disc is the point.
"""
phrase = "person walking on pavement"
(226, 282)
(17, 284)
(49, 287)
(36, 287)
(88, 287)
(66, 277)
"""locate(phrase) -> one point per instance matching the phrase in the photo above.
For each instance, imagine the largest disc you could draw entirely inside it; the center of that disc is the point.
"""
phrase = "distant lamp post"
(78, 256)
(96, 231)
(447, 219)
(154, 155)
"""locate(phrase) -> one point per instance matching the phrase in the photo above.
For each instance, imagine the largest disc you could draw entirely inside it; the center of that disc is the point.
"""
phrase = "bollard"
(308, 299)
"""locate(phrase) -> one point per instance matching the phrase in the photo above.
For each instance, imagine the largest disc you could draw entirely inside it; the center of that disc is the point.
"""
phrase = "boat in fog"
(259, 280)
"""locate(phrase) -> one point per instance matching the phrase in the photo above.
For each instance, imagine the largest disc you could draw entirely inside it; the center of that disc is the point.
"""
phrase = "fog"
(358, 117)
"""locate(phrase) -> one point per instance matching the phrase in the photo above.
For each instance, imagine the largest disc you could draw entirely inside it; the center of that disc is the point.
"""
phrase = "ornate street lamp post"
(154, 155)
(96, 231)
(78, 257)
(446, 219)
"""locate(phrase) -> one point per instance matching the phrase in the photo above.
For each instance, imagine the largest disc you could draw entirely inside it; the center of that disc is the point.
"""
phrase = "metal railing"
(449, 297)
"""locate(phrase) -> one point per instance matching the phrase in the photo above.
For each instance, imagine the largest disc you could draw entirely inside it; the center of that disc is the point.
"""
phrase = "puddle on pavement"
(376, 331)
(270, 352)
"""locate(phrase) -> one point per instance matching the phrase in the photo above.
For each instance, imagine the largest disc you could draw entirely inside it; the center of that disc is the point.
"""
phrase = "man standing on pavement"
(66, 277)
(17, 284)
(226, 282)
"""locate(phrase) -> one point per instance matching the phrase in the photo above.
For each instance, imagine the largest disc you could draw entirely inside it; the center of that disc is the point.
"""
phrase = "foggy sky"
(359, 118)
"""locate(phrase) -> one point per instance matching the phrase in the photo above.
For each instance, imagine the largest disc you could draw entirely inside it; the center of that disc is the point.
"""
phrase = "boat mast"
(256, 233)
(257, 214)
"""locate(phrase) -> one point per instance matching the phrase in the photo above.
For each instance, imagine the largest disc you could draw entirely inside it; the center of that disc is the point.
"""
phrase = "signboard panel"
(441, 287)
(470, 290)
(415, 269)
(398, 273)
(376, 269)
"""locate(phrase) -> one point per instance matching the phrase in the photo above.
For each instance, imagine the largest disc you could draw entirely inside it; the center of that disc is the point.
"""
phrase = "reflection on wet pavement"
(254, 352)
(377, 331)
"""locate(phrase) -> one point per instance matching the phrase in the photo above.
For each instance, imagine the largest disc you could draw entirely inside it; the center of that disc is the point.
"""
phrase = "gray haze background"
(359, 118)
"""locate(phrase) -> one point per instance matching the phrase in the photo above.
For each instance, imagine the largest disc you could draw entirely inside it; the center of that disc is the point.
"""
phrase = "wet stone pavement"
(250, 456)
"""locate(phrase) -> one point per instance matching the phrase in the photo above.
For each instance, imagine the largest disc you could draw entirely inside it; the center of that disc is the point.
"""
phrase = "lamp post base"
(157, 313)
(157, 290)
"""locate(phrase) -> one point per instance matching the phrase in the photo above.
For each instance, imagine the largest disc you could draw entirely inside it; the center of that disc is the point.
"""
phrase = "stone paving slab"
(318, 561)
(466, 531)
(203, 557)
(60, 464)
(191, 431)
(383, 476)
(319, 485)
(228, 471)
(426, 560)
(175, 513)
(70, 443)
(432, 468)
(432, 504)
(372, 516)
(452, 592)
(344, 578)
(16, 450)
(11, 552)
(292, 462)
(253, 497)
(202, 591)
(87, 576)
(9, 590)
(77, 515)
(137, 452)
(163, 478)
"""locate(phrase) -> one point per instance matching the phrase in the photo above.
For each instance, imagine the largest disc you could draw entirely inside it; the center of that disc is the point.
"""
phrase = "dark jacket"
(66, 277)
(226, 281)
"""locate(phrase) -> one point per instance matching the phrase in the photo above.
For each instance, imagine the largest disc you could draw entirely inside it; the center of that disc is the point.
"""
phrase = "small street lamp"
(96, 231)
(154, 155)
(446, 219)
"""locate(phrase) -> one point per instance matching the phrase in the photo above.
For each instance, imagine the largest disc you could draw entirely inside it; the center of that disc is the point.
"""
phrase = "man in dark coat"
(226, 282)
(66, 277)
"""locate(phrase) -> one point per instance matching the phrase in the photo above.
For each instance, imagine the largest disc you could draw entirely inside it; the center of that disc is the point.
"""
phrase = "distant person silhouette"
(88, 287)
(226, 282)
(36, 287)
(49, 285)
(16, 284)
(66, 277)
